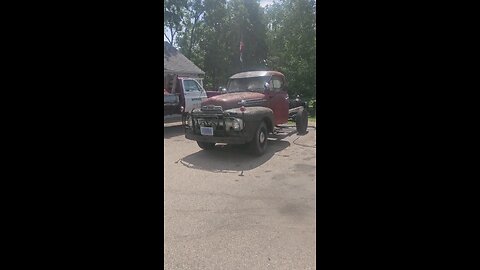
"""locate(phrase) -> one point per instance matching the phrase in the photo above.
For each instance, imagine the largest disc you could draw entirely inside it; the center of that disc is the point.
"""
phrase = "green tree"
(193, 32)
(292, 43)
(247, 23)
(192, 25)
(173, 16)
(214, 43)
(209, 32)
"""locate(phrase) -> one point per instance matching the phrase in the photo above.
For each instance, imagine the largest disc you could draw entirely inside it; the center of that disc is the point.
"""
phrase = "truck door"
(278, 100)
(194, 94)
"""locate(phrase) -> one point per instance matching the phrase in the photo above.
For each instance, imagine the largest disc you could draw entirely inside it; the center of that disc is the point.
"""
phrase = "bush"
(312, 107)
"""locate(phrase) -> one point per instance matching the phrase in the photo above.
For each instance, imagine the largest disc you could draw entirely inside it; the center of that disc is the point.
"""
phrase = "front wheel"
(259, 143)
(206, 146)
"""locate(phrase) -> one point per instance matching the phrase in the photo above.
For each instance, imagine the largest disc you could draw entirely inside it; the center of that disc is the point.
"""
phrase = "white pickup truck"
(182, 95)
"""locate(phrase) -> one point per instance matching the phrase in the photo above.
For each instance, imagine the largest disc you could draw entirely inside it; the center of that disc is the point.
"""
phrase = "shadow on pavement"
(231, 158)
(172, 131)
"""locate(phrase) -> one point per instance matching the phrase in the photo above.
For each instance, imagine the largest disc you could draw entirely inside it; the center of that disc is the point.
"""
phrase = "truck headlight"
(189, 121)
(237, 124)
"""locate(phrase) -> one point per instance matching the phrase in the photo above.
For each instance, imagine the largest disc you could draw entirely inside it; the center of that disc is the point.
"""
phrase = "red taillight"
(242, 109)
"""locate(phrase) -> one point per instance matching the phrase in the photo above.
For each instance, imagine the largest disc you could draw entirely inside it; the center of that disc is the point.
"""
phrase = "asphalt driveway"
(225, 209)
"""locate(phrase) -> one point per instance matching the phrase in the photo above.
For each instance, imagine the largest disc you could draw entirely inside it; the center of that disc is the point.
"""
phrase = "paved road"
(225, 209)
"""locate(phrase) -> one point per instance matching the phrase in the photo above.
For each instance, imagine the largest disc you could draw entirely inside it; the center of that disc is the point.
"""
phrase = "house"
(176, 64)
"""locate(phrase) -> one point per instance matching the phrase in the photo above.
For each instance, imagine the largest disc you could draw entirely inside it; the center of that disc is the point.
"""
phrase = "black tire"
(259, 143)
(301, 120)
(206, 145)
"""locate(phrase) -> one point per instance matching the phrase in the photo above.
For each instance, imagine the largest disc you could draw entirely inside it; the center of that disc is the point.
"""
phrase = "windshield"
(247, 84)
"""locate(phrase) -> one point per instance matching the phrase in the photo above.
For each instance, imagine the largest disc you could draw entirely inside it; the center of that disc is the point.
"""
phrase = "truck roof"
(186, 78)
(250, 74)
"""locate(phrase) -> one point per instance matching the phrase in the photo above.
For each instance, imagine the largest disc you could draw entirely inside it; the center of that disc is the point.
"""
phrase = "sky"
(263, 3)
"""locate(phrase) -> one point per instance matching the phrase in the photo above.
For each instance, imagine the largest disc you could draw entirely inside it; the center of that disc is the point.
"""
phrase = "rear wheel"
(206, 146)
(301, 120)
(259, 143)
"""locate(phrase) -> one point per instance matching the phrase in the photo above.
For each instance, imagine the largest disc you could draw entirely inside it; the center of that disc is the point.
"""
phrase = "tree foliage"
(280, 37)
(173, 16)
(292, 44)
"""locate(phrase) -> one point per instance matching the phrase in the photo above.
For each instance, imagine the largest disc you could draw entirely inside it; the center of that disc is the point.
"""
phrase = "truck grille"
(209, 122)
(216, 123)
(212, 116)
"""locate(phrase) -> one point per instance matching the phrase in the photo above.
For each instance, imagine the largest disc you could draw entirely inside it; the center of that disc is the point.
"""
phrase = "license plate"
(206, 131)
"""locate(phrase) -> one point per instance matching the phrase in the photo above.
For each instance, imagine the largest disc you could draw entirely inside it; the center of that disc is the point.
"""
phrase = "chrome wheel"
(259, 142)
(262, 137)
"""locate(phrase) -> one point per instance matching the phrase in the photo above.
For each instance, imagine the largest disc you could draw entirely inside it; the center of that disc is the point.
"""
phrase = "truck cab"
(182, 94)
(256, 88)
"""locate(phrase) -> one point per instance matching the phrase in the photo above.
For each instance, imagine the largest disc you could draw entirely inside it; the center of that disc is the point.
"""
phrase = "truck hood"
(232, 100)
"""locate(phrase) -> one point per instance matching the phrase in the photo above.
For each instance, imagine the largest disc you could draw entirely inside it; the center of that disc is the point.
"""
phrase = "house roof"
(175, 62)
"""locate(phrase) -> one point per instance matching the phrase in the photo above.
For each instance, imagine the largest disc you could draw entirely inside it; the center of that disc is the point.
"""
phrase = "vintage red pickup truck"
(253, 105)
